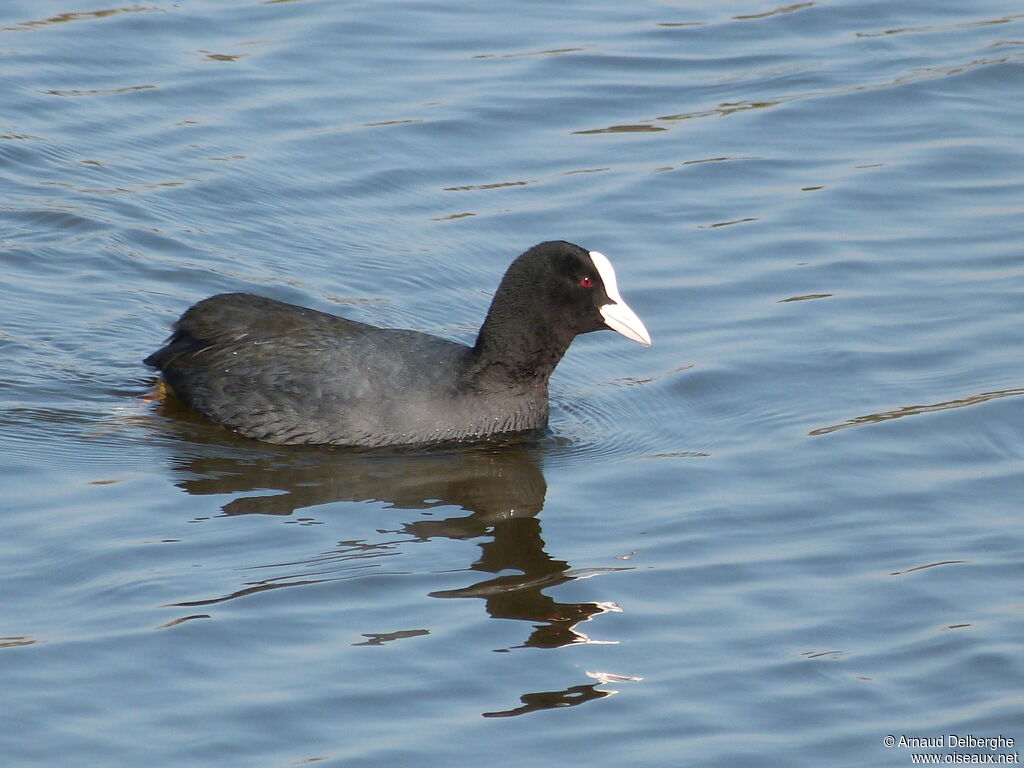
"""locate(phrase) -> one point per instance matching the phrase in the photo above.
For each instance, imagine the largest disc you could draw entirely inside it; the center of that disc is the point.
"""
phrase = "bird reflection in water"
(502, 487)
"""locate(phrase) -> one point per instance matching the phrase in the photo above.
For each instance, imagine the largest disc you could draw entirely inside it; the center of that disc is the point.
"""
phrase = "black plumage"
(287, 374)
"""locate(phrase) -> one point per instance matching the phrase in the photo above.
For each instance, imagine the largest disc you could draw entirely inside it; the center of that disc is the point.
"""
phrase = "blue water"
(790, 528)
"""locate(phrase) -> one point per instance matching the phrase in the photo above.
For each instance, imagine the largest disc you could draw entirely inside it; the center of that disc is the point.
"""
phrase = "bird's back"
(288, 374)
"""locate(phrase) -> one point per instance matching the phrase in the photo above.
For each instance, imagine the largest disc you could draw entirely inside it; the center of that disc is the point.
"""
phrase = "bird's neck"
(516, 349)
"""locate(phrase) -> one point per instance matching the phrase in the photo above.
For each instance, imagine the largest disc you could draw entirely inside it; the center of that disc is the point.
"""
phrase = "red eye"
(586, 282)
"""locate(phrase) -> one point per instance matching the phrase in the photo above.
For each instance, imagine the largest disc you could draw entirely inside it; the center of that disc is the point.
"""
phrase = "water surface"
(788, 529)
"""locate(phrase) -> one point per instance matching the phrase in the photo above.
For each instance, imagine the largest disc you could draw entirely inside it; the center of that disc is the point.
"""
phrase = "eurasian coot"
(286, 374)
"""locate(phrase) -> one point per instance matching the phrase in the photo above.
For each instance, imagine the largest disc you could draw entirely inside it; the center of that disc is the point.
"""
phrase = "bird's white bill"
(617, 315)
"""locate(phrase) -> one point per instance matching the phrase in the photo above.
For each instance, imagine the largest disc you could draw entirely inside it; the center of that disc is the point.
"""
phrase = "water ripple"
(915, 410)
(63, 18)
